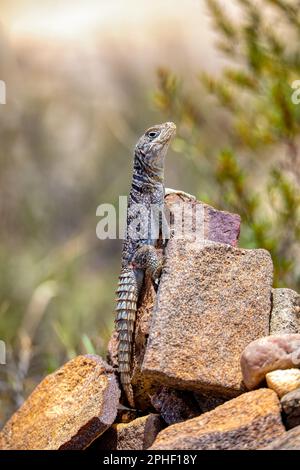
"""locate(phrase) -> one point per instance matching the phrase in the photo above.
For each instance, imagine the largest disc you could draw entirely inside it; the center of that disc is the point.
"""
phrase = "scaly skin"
(139, 257)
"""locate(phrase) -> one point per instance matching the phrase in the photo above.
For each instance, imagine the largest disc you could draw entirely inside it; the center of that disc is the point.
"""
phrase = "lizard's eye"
(153, 134)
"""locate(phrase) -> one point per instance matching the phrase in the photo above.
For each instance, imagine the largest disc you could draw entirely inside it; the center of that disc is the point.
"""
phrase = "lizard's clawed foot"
(180, 193)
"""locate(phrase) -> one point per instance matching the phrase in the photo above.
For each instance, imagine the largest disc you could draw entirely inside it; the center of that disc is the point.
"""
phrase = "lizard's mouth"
(168, 132)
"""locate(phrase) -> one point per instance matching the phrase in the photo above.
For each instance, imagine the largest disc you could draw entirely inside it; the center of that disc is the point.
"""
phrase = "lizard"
(139, 256)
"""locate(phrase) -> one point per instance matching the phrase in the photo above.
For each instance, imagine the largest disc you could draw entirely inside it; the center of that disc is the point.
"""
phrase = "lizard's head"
(152, 147)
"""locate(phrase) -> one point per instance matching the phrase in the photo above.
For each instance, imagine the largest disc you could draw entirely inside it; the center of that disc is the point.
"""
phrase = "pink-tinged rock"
(212, 224)
(267, 354)
(285, 316)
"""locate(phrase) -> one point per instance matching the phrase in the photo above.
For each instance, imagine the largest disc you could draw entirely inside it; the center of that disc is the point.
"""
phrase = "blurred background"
(84, 79)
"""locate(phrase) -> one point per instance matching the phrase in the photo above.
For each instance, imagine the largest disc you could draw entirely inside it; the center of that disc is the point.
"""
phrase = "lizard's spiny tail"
(127, 297)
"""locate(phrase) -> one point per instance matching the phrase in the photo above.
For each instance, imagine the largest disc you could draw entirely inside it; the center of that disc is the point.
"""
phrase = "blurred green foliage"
(244, 141)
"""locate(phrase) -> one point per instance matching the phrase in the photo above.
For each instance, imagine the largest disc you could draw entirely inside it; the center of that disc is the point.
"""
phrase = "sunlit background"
(84, 79)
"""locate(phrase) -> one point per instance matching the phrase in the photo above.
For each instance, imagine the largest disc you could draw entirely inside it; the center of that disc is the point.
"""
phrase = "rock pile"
(216, 359)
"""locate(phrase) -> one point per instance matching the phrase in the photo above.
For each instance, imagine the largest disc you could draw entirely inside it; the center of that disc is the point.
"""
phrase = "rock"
(290, 440)
(67, 410)
(143, 387)
(267, 354)
(136, 435)
(290, 404)
(283, 381)
(175, 406)
(249, 421)
(213, 300)
(285, 316)
(222, 227)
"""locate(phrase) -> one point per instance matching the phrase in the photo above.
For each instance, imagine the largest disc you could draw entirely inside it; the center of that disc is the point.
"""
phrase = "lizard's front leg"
(146, 258)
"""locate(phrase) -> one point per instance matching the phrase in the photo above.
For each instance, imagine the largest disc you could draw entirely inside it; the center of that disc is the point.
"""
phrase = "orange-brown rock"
(250, 421)
(213, 300)
(67, 410)
(139, 434)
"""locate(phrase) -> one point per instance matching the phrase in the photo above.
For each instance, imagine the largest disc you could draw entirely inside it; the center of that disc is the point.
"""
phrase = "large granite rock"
(267, 354)
(283, 381)
(67, 410)
(290, 404)
(136, 435)
(250, 421)
(289, 440)
(213, 300)
(285, 316)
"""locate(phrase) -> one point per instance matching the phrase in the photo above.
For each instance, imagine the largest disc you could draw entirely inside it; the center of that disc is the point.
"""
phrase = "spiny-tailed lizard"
(139, 256)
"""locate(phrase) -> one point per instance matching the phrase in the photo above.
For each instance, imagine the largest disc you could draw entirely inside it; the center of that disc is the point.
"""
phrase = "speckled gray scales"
(139, 256)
